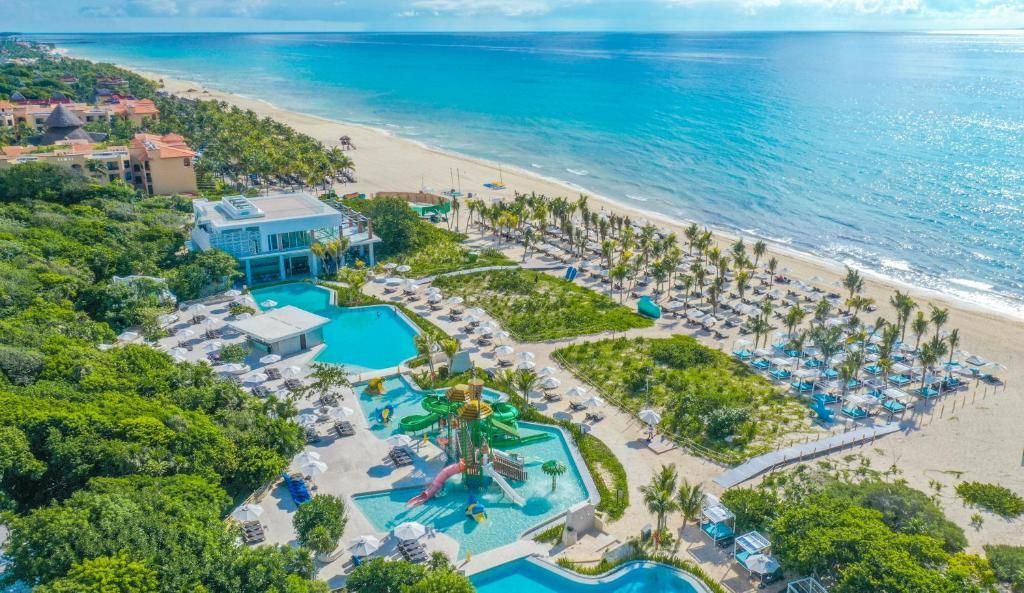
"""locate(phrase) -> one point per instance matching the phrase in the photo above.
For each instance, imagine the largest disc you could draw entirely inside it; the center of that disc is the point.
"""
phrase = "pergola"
(716, 521)
(806, 585)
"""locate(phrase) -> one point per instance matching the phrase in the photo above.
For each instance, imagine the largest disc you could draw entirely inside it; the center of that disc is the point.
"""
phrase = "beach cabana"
(753, 553)
(806, 585)
(716, 521)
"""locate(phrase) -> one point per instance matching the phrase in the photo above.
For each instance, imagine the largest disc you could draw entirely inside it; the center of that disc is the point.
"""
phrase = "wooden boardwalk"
(759, 465)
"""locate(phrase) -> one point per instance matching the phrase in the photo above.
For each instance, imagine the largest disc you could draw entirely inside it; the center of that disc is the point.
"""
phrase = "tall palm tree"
(760, 327)
(938, 317)
(793, 318)
(773, 264)
(919, 327)
(828, 341)
(849, 370)
(853, 282)
(526, 381)
(691, 233)
(689, 499)
(760, 247)
(953, 340)
(617, 275)
(427, 345)
(742, 283)
(659, 499)
(821, 311)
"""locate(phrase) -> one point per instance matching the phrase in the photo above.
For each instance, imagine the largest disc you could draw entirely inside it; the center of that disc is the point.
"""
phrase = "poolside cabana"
(806, 585)
(753, 553)
(716, 521)
(282, 331)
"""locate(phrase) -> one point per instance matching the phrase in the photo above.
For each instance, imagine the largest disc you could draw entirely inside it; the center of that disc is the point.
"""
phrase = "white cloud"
(508, 8)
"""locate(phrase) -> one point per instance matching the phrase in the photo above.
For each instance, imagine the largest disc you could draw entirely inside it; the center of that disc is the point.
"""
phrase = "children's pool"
(526, 576)
(404, 397)
(446, 512)
(360, 338)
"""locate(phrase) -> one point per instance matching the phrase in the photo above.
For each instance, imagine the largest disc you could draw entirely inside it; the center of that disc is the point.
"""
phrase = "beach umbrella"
(975, 360)
(455, 301)
(178, 352)
(166, 319)
(268, 304)
(233, 293)
(398, 440)
(390, 265)
(476, 311)
(742, 342)
(503, 335)
(257, 378)
(364, 545)
(433, 290)
(128, 336)
(403, 269)
(307, 457)
(996, 366)
(410, 530)
(504, 350)
(196, 308)
(695, 315)
(470, 318)
(243, 316)
(577, 391)
(313, 468)
(434, 297)
(184, 334)
(270, 359)
(525, 355)
(526, 365)
(761, 564)
(410, 286)
(212, 346)
(342, 412)
(592, 402)
(247, 512)
(291, 372)
(394, 281)
(546, 372)
(550, 383)
(306, 419)
(650, 417)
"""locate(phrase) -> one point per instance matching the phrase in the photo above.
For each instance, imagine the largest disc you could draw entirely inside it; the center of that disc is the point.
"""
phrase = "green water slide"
(439, 404)
(415, 423)
(505, 412)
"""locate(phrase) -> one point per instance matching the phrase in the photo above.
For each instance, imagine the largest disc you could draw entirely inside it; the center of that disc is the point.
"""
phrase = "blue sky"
(517, 15)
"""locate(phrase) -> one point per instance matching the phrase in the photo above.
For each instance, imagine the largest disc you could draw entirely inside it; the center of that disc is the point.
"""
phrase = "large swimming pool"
(528, 576)
(505, 521)
(360, 338)
(404, 398)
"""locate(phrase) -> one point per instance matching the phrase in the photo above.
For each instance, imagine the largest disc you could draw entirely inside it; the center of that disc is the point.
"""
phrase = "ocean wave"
(895, 264)
(536, 166)
(636, 197)
(975, 284)
(580, 172)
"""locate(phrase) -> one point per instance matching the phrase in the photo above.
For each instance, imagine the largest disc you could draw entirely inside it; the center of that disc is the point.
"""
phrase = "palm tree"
(793, 318)
(853, 282)
(608, 252)
(932, 352)
(828, 341)
(919, 326)
(953, 340)
(760, 327)
(689, 500)
(742, 283)
(554, 468)
(699, 274)
(904, 306)
(691, 233)
(858, 302)
(618, 274)
(850, 370)
(427, 344)
(938, 317)
(760, 247)
(772, 265)
(821, 311)
(658, 498)
(526, 381)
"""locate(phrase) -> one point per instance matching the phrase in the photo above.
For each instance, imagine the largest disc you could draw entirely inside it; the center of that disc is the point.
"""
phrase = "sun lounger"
(273, 373)
(743, 354)
(855, 413)
(576, 407)
(762, 364)
(927, 392)
(595, 416)
(552, 396)
(293, 384)
(825, 398)
(312, 436)
(260, 391)
(400, 457)
(297, 488)
(344, 428)
(780, 374)
(899, 380)
(502, 362)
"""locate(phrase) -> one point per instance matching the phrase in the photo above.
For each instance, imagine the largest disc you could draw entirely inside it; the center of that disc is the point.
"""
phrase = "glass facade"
(286, 241)
(238, 242)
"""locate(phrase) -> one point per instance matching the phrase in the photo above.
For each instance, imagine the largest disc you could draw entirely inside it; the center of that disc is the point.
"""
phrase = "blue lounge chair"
(830, 374)
(894, 405)
(718, 531)
(743, 354)
(873, 369)
(951, 383)
(824, 398)
(762, 364)
(927, 392)
(812, 363)
(853, 384)
(872, 348)
(802, 386)
(781, 374)
(857, 413)
(900, 380)
(298, 489)
(792, 353)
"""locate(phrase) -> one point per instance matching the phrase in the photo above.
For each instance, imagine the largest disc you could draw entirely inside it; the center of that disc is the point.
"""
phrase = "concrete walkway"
(759, 465)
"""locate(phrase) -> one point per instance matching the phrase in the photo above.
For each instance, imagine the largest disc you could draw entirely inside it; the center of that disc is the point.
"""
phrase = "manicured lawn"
(535, 306)
(705, 397)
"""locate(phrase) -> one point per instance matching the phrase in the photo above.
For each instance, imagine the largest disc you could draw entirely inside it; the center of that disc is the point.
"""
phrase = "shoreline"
(972, 295)
(979, 440)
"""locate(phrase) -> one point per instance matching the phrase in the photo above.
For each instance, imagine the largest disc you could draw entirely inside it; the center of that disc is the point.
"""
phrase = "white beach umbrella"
(166, 319)
(410, 530)
(996, 366)
(128, 336)
(306, 457)
(257, 378)
(410, 286)
(433, 290)
(268, 304)
(470, 318)
(270, 359)
(504, 350)
(398, 440)
(341, 412)
(305, 419)
(476, 311)
(649, 416)
(975, 360)
(742, 342)
(178, 352)
(761, 564)
(455, 301)
(247, 512)
(291, 372)
(526, 365)
(184, 334)
(394, 281)
(212, 346)
(403, 269)
(435, 297)
(233, 293)
(546, 372)
(364, 545)
(196, 308)
(390, 265)
(592, 402)
(313, 468)
(577, 391)
(503, 335)
(695, 315)
(550, 383)
(243, 316)
(525, 355)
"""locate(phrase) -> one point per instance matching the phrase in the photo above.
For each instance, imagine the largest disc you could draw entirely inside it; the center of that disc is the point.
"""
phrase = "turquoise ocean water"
(903, 153)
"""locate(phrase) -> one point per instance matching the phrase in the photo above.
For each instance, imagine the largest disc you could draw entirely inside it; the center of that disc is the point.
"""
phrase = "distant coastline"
(973, 295)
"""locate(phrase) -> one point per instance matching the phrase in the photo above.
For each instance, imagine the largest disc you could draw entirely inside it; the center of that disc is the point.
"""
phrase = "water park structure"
(473, 434)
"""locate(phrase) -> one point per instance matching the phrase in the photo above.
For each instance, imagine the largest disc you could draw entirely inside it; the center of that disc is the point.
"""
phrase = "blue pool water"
(360, 338)
(524, 576)
(404, 397)
(901, 152)
(506, 521)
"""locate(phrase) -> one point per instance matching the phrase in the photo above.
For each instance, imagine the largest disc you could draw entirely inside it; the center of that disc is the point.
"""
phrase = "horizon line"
(1011, 30)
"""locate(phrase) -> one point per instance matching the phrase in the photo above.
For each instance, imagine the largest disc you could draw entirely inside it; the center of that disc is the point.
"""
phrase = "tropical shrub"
(992, 497)
(320, 523)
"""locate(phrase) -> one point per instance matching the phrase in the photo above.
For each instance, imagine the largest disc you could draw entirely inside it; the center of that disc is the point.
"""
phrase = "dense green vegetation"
(1008, 564)
(709, 399)
(535, 306)
(398, 576)
(991, 497)
(410, 240)
(860, 530)
(117, 467)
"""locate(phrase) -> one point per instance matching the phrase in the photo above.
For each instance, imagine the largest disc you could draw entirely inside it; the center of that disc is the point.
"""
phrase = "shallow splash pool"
(360, 338)
(529, 576)
(505, 521)
(404, 397)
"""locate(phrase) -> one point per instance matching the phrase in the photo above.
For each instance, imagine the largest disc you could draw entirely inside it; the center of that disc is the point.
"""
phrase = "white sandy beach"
(981, 440)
